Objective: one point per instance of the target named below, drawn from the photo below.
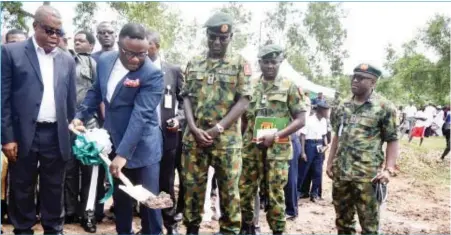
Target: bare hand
(78, 125)
(175, 128)
(203, 139)
(329, 171)
(383, 177)
(10, 151)
(213, 132)
(304, 157)
(116, 165)
(267, 140)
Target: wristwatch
(220, 128)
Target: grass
(421, 162)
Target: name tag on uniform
(264, 99)
(211, 79)
(353, 119)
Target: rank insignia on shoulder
(247, 70)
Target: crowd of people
(264, 138)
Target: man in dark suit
(131, 88)
(38, 100)
(171, 115)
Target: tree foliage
(84, 18)
(14, 16)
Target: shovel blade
(147, 198)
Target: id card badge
(319, 148)
(168, 101)
(168, 98)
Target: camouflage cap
(368, 69)
(219, 23)
(270, 51)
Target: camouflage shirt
(365, 129)
(213, 87)
(282, 100)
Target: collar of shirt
(157, 63)
(41, 50)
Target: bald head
(47, 26)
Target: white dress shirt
(47, 110)
(314, 128)
(157, 64)
(118, 73)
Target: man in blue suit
(131, 88)
(38, 101)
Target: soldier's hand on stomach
(203, 139)
(267, 140)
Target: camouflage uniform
(213, 87)
(283, 100)
(359, 157)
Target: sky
(370, 26)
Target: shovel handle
(122, 177)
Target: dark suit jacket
(173, 77)
(22, 91)
(130, 117)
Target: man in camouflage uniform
(360, 126)
(273, 96)
(216, 93)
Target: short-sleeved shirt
(314, 128)
(365, 128)
(282, 100)
(213, 87)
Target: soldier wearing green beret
(361, 125)
(216, 93)
(267, 157)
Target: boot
(277, 233)
(89, 222)
(192, 230)
(172, 230)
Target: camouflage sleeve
(389, 130)
(295, 102)
(244, 88)
(335, 118)
(185, 88)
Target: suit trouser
(24, 173)
(291, 192)
(167, 175)
(151, 221)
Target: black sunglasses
(105, 32)
(131, 54)
(50, 31)
(222, 38)
(358, 78)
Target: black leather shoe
(71, 219)
(27, 232)
(277, 233)
(172, 230)
(178, 217)
(53, 233)
(89, 222)
(315, 199)
(192, 230)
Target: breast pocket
(368, 126)
(194, 82)
(277, 101)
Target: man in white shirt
(314, 144)
(420, 126)
(409, 112)
(38, 99)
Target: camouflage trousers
(349, 197)
(251, 177)
(227, 165)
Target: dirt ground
(418, 201)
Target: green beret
(368, 69)
(220, 23)
(270, 51)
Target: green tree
(14, 16)
(84, 18)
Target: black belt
(45, 124)
(314, 141)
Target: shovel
(138, 192)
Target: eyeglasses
(131, 54)
(51, 31)
(222, 38)
(358, 78)
(105, 32)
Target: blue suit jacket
(22, 91)
(131, 117)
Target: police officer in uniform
(277, 96)
(216, 93)
(361, 125)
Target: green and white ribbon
(87, 152)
